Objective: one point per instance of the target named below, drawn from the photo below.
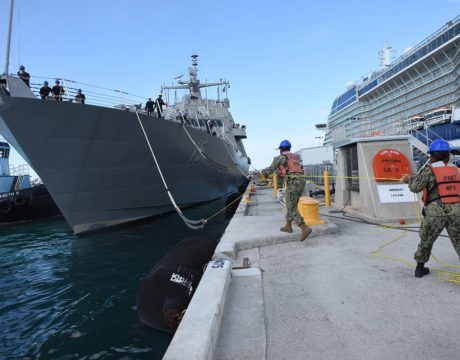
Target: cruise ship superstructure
(417, 94)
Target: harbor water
(66, 297)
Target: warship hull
(98, 167)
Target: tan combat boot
(288, 227)
(305, 232)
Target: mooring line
(193, 224)
(216, 164)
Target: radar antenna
(193, 84)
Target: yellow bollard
(275, 185)
(309, 209)
(327, 190)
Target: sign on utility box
(395, 193)
(390, 165)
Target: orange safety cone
(253, 190)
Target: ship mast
(8, 40)
(193, 84)
(385, 55)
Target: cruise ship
(417, 94)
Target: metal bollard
(327, 190)
(309, 209)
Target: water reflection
(63, 296)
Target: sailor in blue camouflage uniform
(288, 167)
(440, 182)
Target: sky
(286, 60)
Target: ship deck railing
(382, 128)
(122, 100)
(94, 95)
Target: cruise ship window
(4, 153)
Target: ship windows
(344, 100)
(366, 88)
(4, 153)
(216, 123)
(202, 125)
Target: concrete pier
(347, 292)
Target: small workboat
(21, 200)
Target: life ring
(5, 206)
(19, 200)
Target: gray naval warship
(106, 166)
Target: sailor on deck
(57, 90)
(182, 116)
(159, 105)
(149, 105)
(45, 90)
(24, 75)
(80, 97)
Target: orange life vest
(447, 183)
(294, 165)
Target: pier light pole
(8, 40)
